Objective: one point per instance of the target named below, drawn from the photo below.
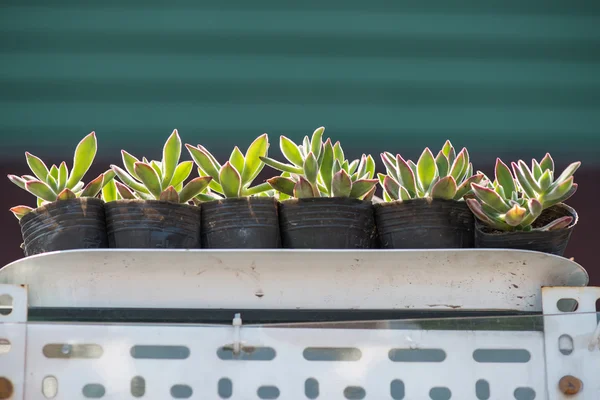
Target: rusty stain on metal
(569, 384)
(6, 388)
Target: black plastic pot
(240, 223)
(65, 225)
(425, 224)
(327, 223)
(149, 224)
(553, 242)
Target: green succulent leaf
(353, 167)
(337, 167)
(404, 195)
(171, 155)
(182, 172)
(447, 148)
(391, 187)
(490, 197)
(63, 175)
(41, 190)
(326, 170)
(37, 166)
(445, 188)
(128, 162)
(282, 184)
(504, 177)
(231, 181)
(545, 180)
(523, 182)
(370, 194)
(316, 142)
(156, 166)
(559, 191)
(149, 178)
(257, 190)
(341, 185)
(66, 194)
(291, 151)
(303, 189)
(426, 169)
(566, 196)
(459, 166)
(311, 168)
(515, 215)
(479, 212)
(338, 153)
(193, 188)
(345, 166)
(442, 164)
(109, 191)
(529, 176)
(93, 187)
(54, 171)
(170, 195)
(236, 159)
(281, 166)
(20, 211)
(465, 187)
(361, 187)
(547, 163)
(391, 166)
(124, 191)
(536, 169)
(370, 167)
(252, 161)
(82, 161)
(305, 148)
(20, 182)
(203, 159)
(568, 172)
(407, 176)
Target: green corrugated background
(502, 77)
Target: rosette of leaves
(156, 180)
(446, 176)
(514, 200)
(232, 179)
(319, 169)
(57, 182)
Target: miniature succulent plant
(232, 179)
(319, 169)
(57, 183)
(446, 176)
(514, 202)
(156, 180)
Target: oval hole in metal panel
(6, 304)
(501, 356)
(225, 388)
(417, 355)
(247, 353)
(397, 390)
(332, 354)
(565, 345)
(138, 386)
(158, 352)
(311, 388)
(440, 393)
(49, 387)
(93, 391)
(355, 393)
(567, 305)
(66, 350)
(4, 346)
(482, 389)
(268, 392)
(524, 393)
(6, 388)
(181, 391)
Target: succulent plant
(514, 202)
(319, 169)
(446, 176)
(156, 180)
(232, 179)
(56, 183)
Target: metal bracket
(237, 327)
(13, 340)
(570, 341)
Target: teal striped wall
(498, 76)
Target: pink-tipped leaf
(465, 187)
(326, 168)
(66, 194)
(362, 187)
(303, 189)
(20, 211)
(41, 190)
(426, 169)
(559, 223)
(282, 184)
(204, 161)
(193, 188)
(236, 159)
(547, 163)
(504, 177)
(445, 188)
(20, 182)
(407, 176)
(341, 185)
(230, 180)
(515, 215)
(391, 187)
(170, 195)
(170, 159)
(490, 197)
(94, 187)
(149, 178)
(37, 166)
(124, 191)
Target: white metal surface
(13, 334)
(578, 328)
(293, 279)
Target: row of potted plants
(320, 199)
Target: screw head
(569, 384)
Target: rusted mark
(6, 388)
(569, 385)
(444, 305)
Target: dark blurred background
(505, 78)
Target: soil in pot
(425, 224)
(327, 223)
(149, 224)
(65, 225)
(553, 242)
(241, 223)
